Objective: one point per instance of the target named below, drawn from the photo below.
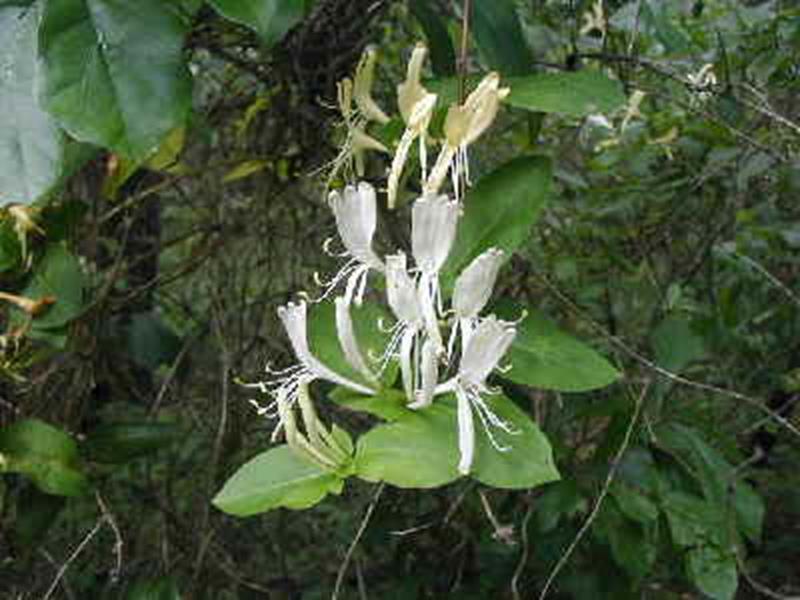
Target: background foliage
(157, 173)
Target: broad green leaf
(750, 510)
(713, 571)
(270, 19)
(121, 442)
(10, 248)
(575, 94)
(707, 465)
(500, 210)
(48, 456)
(115, 73)
(676, 344)
(273, 479)
(693, 521)
(559, 500)
(443, 57)
(31, 143)
(419, 449)
(630, 546)
(150, 342)
(498, 35)
(57, 275)
(544, 357)
(633, 503)
(528, 460)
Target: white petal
(429, 374)
(347, 339)
(433, 230)
(475, 283)
(487, 345)
(466, 432)
(294, 318)
(401, 292)
(355, 212)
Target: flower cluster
(443, 345)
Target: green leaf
(121, 442)
(561, 499)
(270, 19)
(634, 504)
(528, 462)
(750, 510)
(114, 72)
(273, 479)
(419, 449)
(48, 456)
(498, 35)
(500, 210)
(162, 588)
(693, 521)
(713, 571)
(150, 342)
(544, 357)
(575, 94)
(58, 275)
(36, 514)
(443, 57)
(708, 466)
(675, 344)
(31, 143)
(324, 342)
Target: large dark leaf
(271, 19)
(114, 72)
(31, 144)
(498, 34)
(500, 210)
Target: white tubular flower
(472, 291)
(286, 385)
(427, 376)
(404, 301)
(295, 321)
(416, 107)
(362, 88)
(355, 213)
(347, 340)
(433, 230)
(489, 342)
(463, 125)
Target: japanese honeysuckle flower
(416, 107)
(489, 342)
(362, 88)
(427, 376)
(357, 141)
(472, 291)
(401, 293)
(348, 342)
(286, 384)
(463, 125)
(433, 230)
(355, 213)
(317, 444)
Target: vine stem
(603, 493)
(361, 529)
(462, 58)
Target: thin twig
(523, 558)
(675, 378)
(603, 493)
(75, 553)
(118, 544)
(361, 529)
